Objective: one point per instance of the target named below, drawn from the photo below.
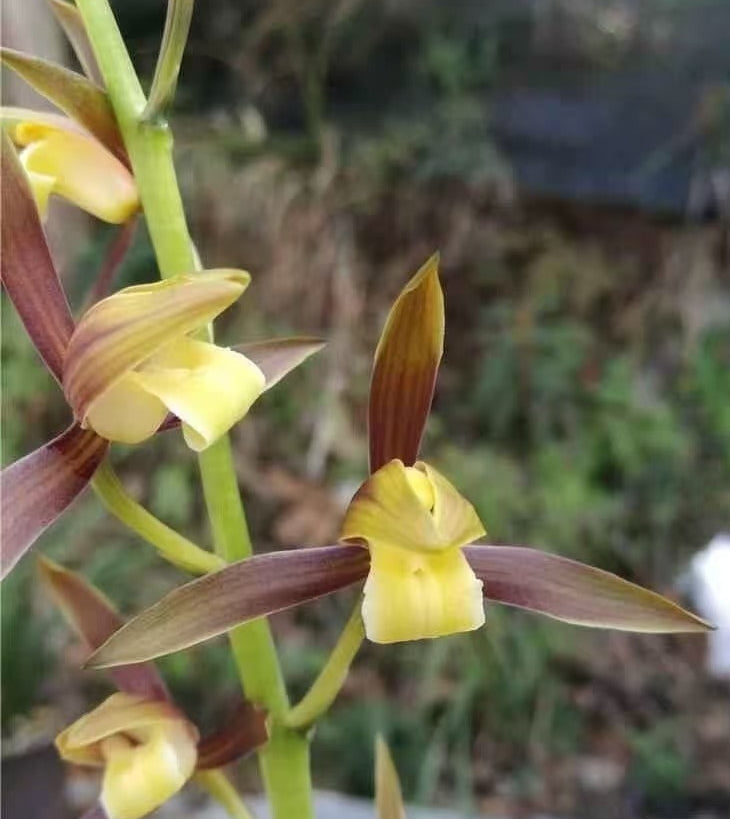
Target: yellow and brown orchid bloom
(148, 749)
(407, 532)
(80, 156)
(129, 365)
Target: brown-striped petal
(125, 329)
(94, 620)
(28, 274)
(211, 605)
(39, 487)
(81, 99)
(574, 592)
(69, 19)
(277, 357)
(405, 368)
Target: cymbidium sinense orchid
(145, 745)
(79, 157)
(407, 532)
(133, 363)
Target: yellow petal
(411, 596)
(83, 171)
(42, 187)
(393, 508)
(208, 387)
(127, 412)
(140, 778)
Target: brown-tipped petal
(94, 620)
(81, 99)
(388, 797)
(38, 488)
(28, 273)
(277, 357)
(243, 591)
(243, 732)
(405, 368)
(121, 331)
(69, 19)
(574, 592)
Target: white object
(709, 586)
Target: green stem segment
(149, 144)
(330, 680)
(285, 758)
(171, 545)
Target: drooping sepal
(94, 619)
(574, 592)
(211, 605)
(39, 487)
(404, 371)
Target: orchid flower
(406, 532)
(148, 749)
(79, 156)
(130, 361)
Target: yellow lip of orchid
(73, 164)
(419, 585)
(147, 748)
(131, 361)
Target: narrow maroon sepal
(39, 487)
(27, 270)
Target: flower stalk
(285, 759)
(327, 686)
(170, 544)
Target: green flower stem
(330, 680)
(219, 787)
(284, 759)
(169, 543)
(149, 144)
